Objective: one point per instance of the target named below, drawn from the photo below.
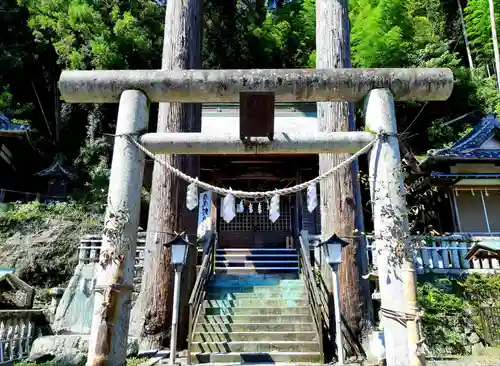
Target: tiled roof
(57, 169)
(469, 146)
(6, 124)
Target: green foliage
(97, 34)
(480, 290)
(381, 33)
(36, 211)
(38, 38)
(444, 318)
(451, 305)
(477, 18)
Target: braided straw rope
(252, 195)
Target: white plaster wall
(299, 124)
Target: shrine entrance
(136, 89)
(251, 228)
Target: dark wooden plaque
(257, 114)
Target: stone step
(255, 270)
(292, 310)
(255, 346)
(256, 327)
(285, 295)
(257, 257)
(255, 302)
(255, 263)
(254, 279)
(216, 319)
(244, 251)
(271, 357)
(254, 336)
(165, 362)
(280, 287)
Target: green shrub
(444, 318)
(25, 213)
(481, 289)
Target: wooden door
(255, 230)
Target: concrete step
(249, 292)
(255, 263)
(292, 310)
(165, 362)
(256, 327)
(285, 285)
(271, 357)
(285, 295)
(256, 346)
(254, 336)
(257, 257)
(255, 302)
(253, 279)
(217, 319)
(255, 270)
(244, 251)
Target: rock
(44, 252)
(478, 349)
(68, 349)
(374, 346)
(78, 359)
(75, 309)
(133, 347)
(473, 338)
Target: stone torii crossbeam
(135, 89)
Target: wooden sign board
(257, 114)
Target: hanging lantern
(259, 208)
(250, 207)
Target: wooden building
(466, 177)
(251, 227)
(12, 171)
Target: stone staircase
(256, 310)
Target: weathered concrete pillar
(110, 322)
(390, 220)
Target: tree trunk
(151, 317)
(340, 202)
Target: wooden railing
(312, 289)
(444, 254)
(90, 250)
(199, 289)
(17, 333)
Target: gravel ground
(490, 358)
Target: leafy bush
(451, 306)
(23, 213)
(444, 318)
(480, 290)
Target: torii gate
(135, 89)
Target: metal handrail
(312, 289)
(199, 288)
